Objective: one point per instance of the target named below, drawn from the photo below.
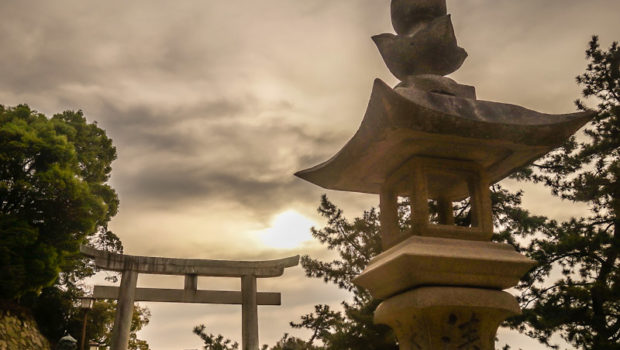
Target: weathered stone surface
(409, 122)
(408, 15)
(431, 50)
(249, 314)
(185, 296)
(20, 333)
(425, 42)
(201, 267)
(124, 310)
(67, 343)
(424, 261)
(446, 318)
(436, 84)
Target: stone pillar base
(447, 318)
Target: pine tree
(356, 243)
(583, 305)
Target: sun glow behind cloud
(288, 230)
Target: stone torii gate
(130, 266)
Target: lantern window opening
(438, 183)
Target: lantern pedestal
(442, 293)
(447, 318)
(432, 261)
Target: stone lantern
(429, 138)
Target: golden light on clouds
(288, 230)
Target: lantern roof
(404, 124)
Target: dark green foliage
(54, 197)
(99, 322)
(323, 322)
(356, 243)
(53, 309)
(57, 312)
(291, 343)
(214, 342)
(53, 194)
(582, 304)
(218, 342)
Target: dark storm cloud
(48, 44)
(234, 161)
(153, 128)
(38, 56)
(179, 88)
(175, 186)
(215, 151)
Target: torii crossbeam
(131, 265)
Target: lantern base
(448, 318)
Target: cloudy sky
(213, 105)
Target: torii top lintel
(199, 267)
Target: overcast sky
(213, 105)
